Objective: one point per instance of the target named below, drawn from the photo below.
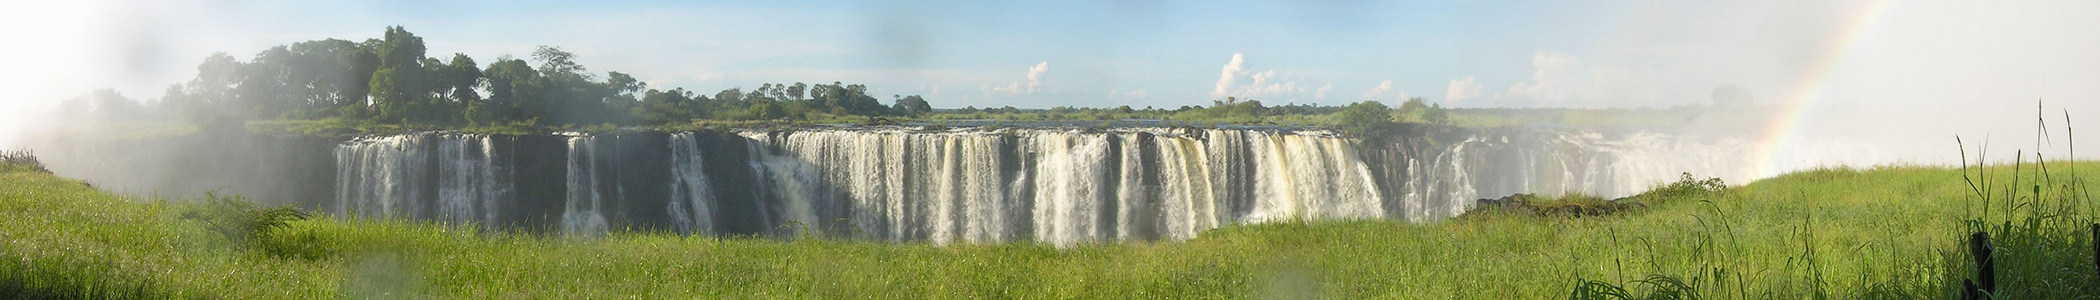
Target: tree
(1435, 115)
(732, 97)
(266, 85)
(212, 93)
(331, 73)
(559, 64)
(1368, 119)
(912, 105)
(768, 111)
(399, 88)
(460, 78)
(665, 107)
(623, 85)
(515, 90)
(794, 92)
(357, 85)
(573, 96)
(1412, 110)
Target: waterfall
(381, 176)
(451, 177)
(1061, 186)
(692, 196)
(584, 212)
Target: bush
(239, 221)
(20, 161)
(1686, 186)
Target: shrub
(1686, 186)
(19, 161)
(239, 221)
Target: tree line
(390, 80)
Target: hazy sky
(1937, 67)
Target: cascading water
(1060, 186)
(692, 200)
(584, 211)
(450, 177)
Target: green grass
(1886, 232)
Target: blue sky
(1911, 63)
(1083, 53)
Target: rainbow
(1783, 130)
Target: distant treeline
(391, 81)
(334, 86)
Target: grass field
(1885, 232)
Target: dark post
(1980, 249)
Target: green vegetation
(339, 87)
(334, 87)
(1884, 232)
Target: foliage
(1365, 119)
(20, 161)
(238, 220)
(1685, 187)
(390, 81)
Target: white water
(692, 198)
(1074, 186)
(391, 176)
(584, 211)
(1060, 186)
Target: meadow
(1880, 232)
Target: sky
(1914, 73)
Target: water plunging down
(1060, 186)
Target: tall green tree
(574, 96)
(267, 85)
(212, 93)
(516, 91)
(399, 88)
(329, 72)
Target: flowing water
(1055, 185)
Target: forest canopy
(392, 80)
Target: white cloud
(1556, 78)
(1035, 76)
(1322, 92)
(1461, 89)
(1385, 90)
(1263, 84)
(1230, 73)
(1035, 83)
